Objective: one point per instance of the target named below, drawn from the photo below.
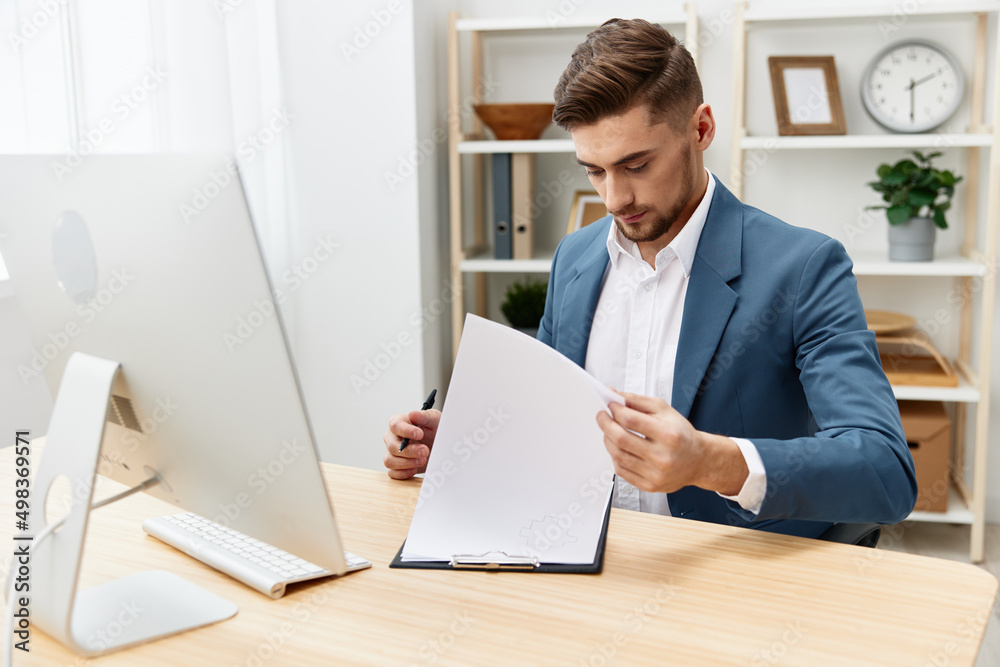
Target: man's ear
(704, 126)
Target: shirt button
(648, 287)
(636, 354)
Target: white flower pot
(912, 241)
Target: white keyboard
(257, 564)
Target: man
(754, 392)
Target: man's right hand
(420, 426)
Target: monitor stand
(128, 611)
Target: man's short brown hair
(625, 63)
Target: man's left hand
(656, 449)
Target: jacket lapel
(710, 300)
(577, 313)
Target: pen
(428, 404)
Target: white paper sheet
(518, 464)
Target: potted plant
(524, 304)
(916, 196)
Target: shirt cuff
(751, 496)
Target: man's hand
(420, 426)
(655, 449)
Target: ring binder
(494, 560)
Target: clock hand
(920, 81)
(912, 95)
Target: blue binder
(503, 244)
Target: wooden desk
(673, 591)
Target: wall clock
(912, 86)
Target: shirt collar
(683, 246)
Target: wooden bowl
(515, 121)
(884, 321)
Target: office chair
(861, 534)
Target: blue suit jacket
(773, 347)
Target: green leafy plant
(915, 189)
(524, 303)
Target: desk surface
(673, 591)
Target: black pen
(428, 404)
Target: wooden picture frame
(587, 207)
(806, 95)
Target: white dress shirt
(633, 340)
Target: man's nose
(617, 193)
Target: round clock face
(912, 86)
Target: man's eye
(635, 170)
(594, 172)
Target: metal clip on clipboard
(494, 560)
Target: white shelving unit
(865, 264)
(958, 512)
(967, 504)
(857, 11)
(965, 392)
(868, 141)
(487, 264)
(536, 146)
(474, 256)
(875, 264)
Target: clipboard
(503, 562)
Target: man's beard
(652, 230)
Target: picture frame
(587, 207)
(806, 95)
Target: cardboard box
(928, 432)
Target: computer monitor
(152, 261)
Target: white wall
(359, 356)
(430, 67)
